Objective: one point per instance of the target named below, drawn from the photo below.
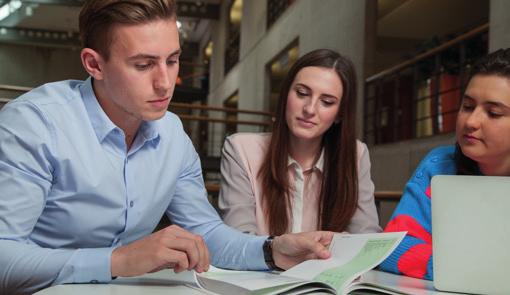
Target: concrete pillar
(370, 37)
(499, 30)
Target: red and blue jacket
(413, 257)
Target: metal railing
(379, 196)
(420, 97)
(175, 106)
(187, 106)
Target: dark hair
(97, 17)
(498, 64)
(339, 189)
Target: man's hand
(171, 247)
(291, 249)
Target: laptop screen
(471, 233)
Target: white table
(163, 282)
(403, 283)
(166, 282)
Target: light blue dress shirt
(70, 193)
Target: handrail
(15, 88)
(387, 195)
(430, 52)
(227, 121)
(221, 109)
(172, 104)
(197, 118)
(214, 188)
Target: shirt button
(131, 204)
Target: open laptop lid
(471, 233)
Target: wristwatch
(267, 247)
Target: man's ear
(92, 62)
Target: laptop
(471, 234)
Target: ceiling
(424, 19)
(55, 22)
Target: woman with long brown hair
(310, 173)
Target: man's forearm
(27, 268)
(232, 249)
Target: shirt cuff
(87, 266)
(256, 253)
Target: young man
(88, 168)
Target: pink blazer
(240, 195)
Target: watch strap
(267, 247)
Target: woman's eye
(327, 103)
(301, 93)
(467, 107)
(495, 114)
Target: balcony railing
(420, 97)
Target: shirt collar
(149, 131)
(101, 122)
(318, 165)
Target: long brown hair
(339, 189)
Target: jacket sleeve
(413, 257)
(365, 219)
(236, 198)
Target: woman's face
(483, 122)
(313, 103)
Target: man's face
(139, 78)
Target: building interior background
(411, 58)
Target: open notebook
(352, 255)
